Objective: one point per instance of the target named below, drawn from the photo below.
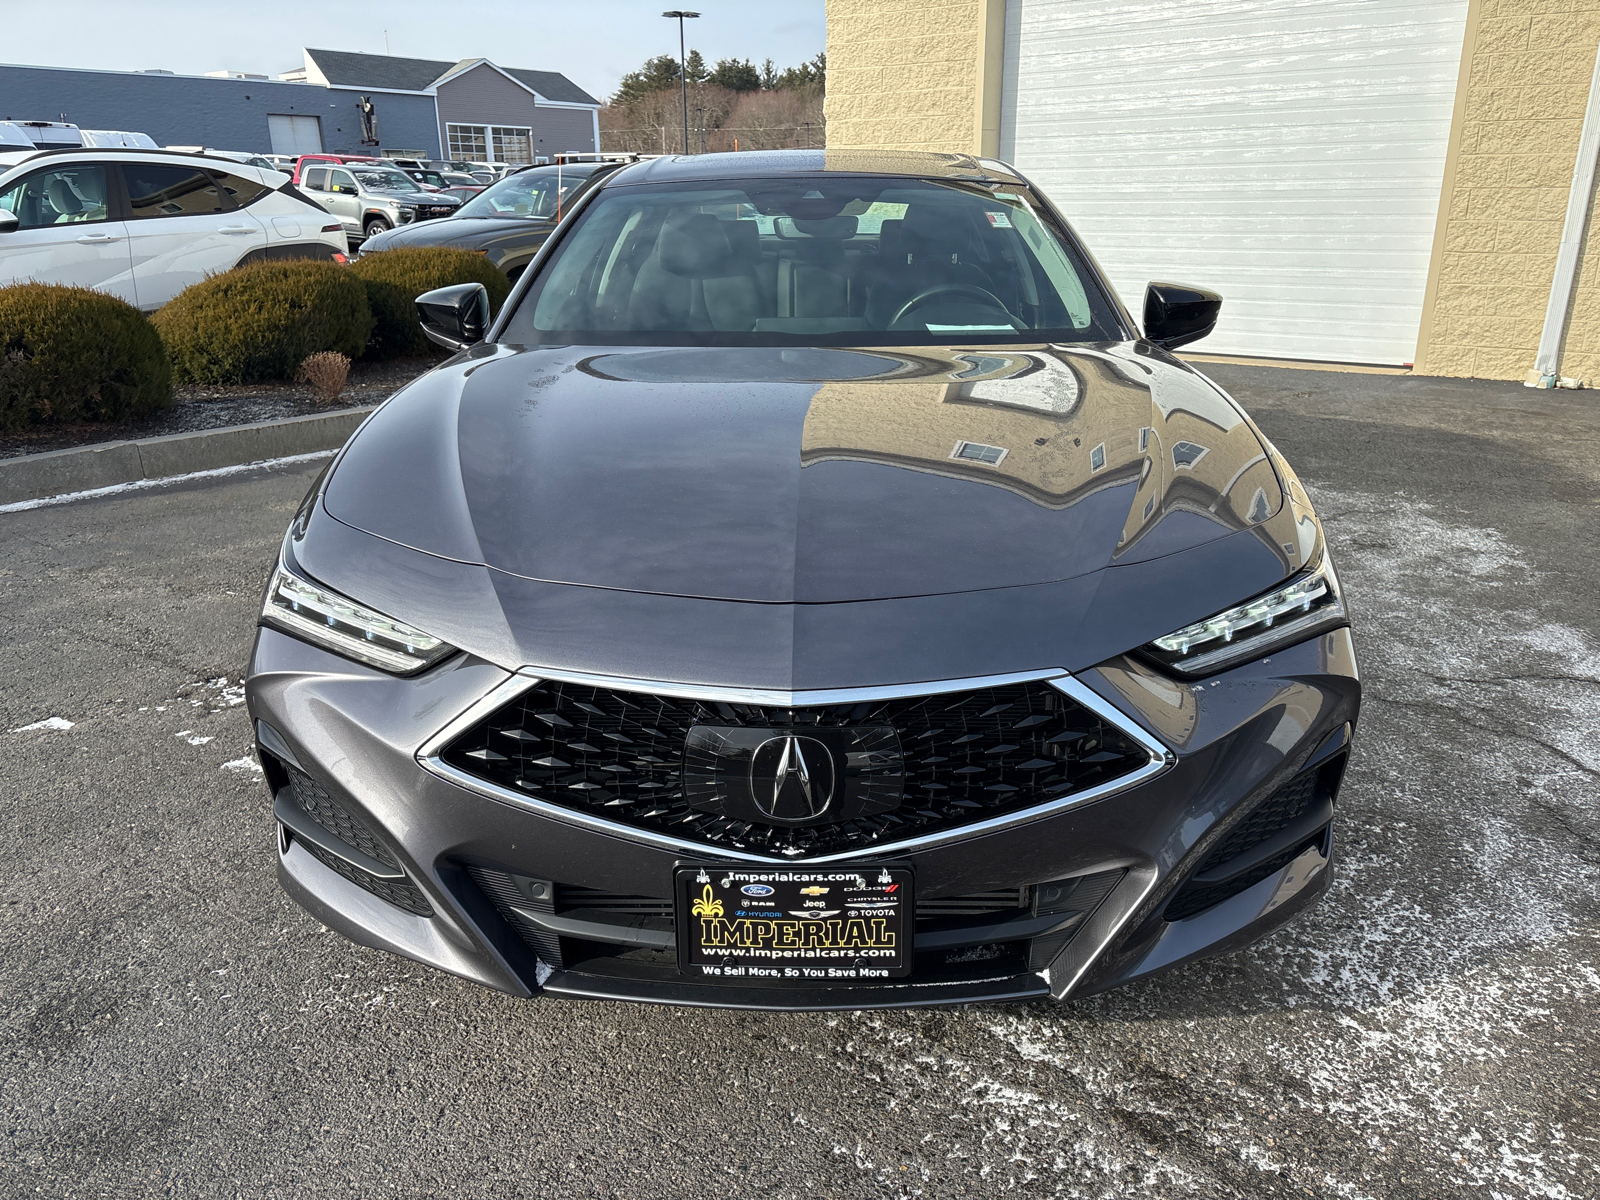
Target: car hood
(461, 231)
(805, 476)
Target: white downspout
(1546, 371)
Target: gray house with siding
(471, 109)
(484, 112)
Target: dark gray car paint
(1233, 740)
(756, 481)
(799, 519)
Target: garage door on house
(295, 134)
(1288, 153)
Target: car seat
(922, 250)
(693, 279)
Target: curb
(36, 476)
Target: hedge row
(71, 354)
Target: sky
(592, 42)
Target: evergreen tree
(736, 76)
(657, 73)
(769, 76)
(806, 75)
(695, 68)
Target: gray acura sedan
(812, 591)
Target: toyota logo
(792, 778)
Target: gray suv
(369, 198)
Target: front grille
(965, 757)
(979, 904)
(337, 820)
(511, 892)
(595, 900)
(426, 212)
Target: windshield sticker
(972, 328)
(999, 220)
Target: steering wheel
(970, 290)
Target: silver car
(369, 198)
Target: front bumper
(1143, 862)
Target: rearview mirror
(1176, 314)
(8, 220)
(455, 317)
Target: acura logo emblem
(792, 778)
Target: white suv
(145, 224)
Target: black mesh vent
(968, 756)
(1280, 811)
(332, 816)
(1197, 897)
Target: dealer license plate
(760, 925)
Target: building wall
(914, 74)
(225, 114)
(559, 129)
(1525, 77)
(483, 96)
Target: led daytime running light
(1294, 600)
(339, 624)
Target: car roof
(767, 163)
(140, 154)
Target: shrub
(72, 354)
(325, 371)
(395, 278)
(263, 320)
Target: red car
(300, 163)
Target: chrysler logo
(792, 778)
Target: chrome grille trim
(428, 757)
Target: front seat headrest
(62, 198)
(694, 246)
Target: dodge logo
(792, 778)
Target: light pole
(683, 70)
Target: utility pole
(683, 69)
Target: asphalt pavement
(172, 1025)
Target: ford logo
(756, 889)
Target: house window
(1097, 458)
(977, 452)
(513, 144)
(468, 143)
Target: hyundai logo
(792, 778)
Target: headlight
(1307, 604)
(337, 623)
(406, 213)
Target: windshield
(384, 181)
(827, 261)
(526, 194)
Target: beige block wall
(914, 74)
(1525, 76)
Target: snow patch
(54, 724)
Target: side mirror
(455, 317)
(1176, 314)
(8, 220)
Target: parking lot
(173, 1025)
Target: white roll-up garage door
(295, 134)
(1288, 153)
